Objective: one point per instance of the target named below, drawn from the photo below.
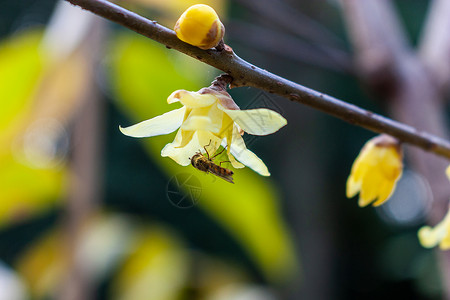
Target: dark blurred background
(87, 213)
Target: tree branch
(246, 74)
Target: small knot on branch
(221, 82)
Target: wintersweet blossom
(200, 26)
(210, 118)
(430, 237)
(376, 171)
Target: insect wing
(220, 172)
(228, 178)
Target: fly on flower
(206, 164)
(210, 116)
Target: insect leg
(219, 152)
(204, 147)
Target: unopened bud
(200, 26)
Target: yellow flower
(376, 171)
(210, 118)
(440, 234)
(200, 26)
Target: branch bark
(246, 74)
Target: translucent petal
(204, 118)
(191, 99)
(181, 139)
(191, 143)
(445, 242)
(227, 142)
(440, 234)
(261, 121)
(428, 237)
(182, 155)
(228, 127)
(209, 141)
(163, 124)
(234, 162)
(247, 157)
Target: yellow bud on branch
(200, 26)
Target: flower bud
(200, 26)
(376, 171)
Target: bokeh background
(88, 213)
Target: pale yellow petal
(447, 172)
(440, 234)
(191, 99)
(234, 162)
(430, 237)
(445, 242)
(204, 118)
(181, 139)
(209, 141)
(182, 155)
(247, 157)
(228, 127)
(261, 121)
(163, 124)
(196, 141)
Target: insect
(206, 164)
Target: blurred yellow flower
(376, 171)
(200, 26)
(440, 234)
(210, 118)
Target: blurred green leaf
(25, 190)
(157, 267)
(20, 67)
(144, 75)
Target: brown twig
(246, 74)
